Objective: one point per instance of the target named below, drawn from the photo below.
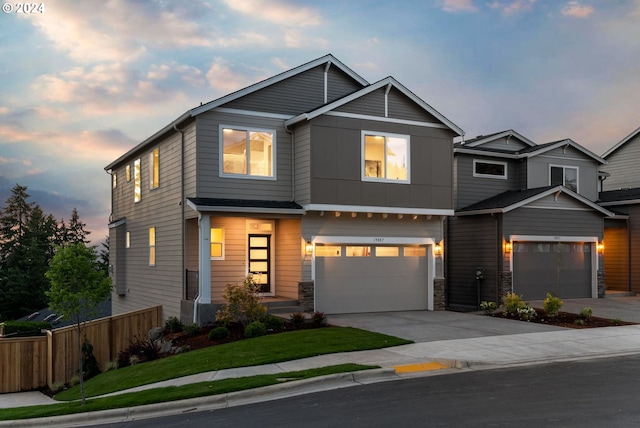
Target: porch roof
(255, 206)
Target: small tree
(77, 287)
(243, 304)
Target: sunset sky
(81, 82)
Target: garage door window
(358, 251)
(328, 250)
(387, 251)
(415, 251)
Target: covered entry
(566, 268)
(361, 276)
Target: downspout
(182, 214)
(293, 162)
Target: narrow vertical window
(114, 179)
(128, 173)
(127, 242)
(217, 243)
(154, 169)
(136, 181)
(152, 246)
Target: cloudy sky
(81, 82)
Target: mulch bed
(568, 320)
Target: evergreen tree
(103, 256)
(76, 232)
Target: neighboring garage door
(371, 278)
(559, 268)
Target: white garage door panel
(371, 284)
(559, 268)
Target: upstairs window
(114, 178)
(566, 176)
(128, 173)
(154, 169)
(385, 157)
(137, 195)
(489, 169)
(247, 152)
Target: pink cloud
(278, 12)
(458, 6)
(224, 80)
(513, 7)
(576, 10)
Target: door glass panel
(258, 266)
(258, 254)
(258, 241)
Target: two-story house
(525, 221)
(621, 193)
(325, 188)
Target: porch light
(437, 248)
(308, 248)
(600, 247)
(507, 247)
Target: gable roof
(621, 143)
(483, 139)
(527, 152)
(328, 60)
(513, 199)
(389, 83)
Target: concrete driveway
(426, 326)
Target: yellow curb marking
(421, 367)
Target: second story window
(154, 169)
(247, 152)
(566, 176)
(114, 179)
(137, 195)
(385, 157)
(128, 173)
(489, 169)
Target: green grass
(249, 352)
(161, 395)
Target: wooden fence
(34, 362)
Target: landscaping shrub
(586, 313)
(138, 351)
(512, 302)
(219, 333)
(173, 325)
(110, 365)
(297, 320)
(191, 330)
(89, 363)
(255, 329)
(243, 304)
(57, 387)
(552, 305)
(318, 319)
(274, 323)
(488, 307)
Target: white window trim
(500, 177)
(565, 167)
(362, 159)
(274, 151)
(223, 240)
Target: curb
(213, 402)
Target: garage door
(371, 278)
(560, 268)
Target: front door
(260, 261)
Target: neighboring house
(525, 221)
(622, 194)
(325, 188)
(622, 163)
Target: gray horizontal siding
(538, 168)
(512, 144)
(336, 148)
(623, 166)
(302, 193)
(472, 189)
(209, 182)
(547, 222)
(472, 242)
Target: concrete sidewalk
(474, 341)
